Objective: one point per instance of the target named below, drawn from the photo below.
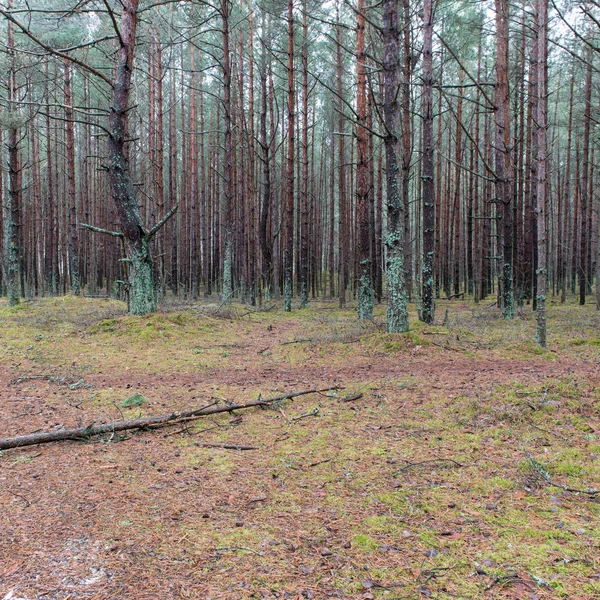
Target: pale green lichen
(11, 256)
(303, 294)
(428, 302)
(287, 291)
(397, 312)
(365, 293)
(508, 299)
(227, 276)
(142, 292)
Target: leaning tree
(134, 232)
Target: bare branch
(163, 221)
(100, 230)
(52, 51)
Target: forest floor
(446, 479)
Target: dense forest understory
(466, 468)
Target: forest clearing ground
(433, 484)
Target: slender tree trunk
(50, 262)
(343, 216)
(263, 235)
(397, 314)
(288, 258)
(585, 199)
(73, 241)
(428, 302)
(251, 171)
(12, 202)
(304, 201)
(406, 135)
(542, 125)
(502, 148)
(228, 213)
(365, 292)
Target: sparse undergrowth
(448, 478)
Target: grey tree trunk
(11, 201)
(227, 172)
(142, 293)
(397, 314)
(542, 125)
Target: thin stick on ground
(226, 446)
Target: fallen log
(84, 433)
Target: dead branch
(540, 471)
(85, 433)
(226, 446)
(433, 460)
(313, 413)
(352, 397)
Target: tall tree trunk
(265, 202)
(12, 202)
(406, 134)
(343, 212)
(397, 314)
(365, 292)
(502, 148)
(251, 174)
(428, 305)
(142, 294)
(304, 202)
(585, 170)
(542, 125)
(73, 241)
(288, 258)
(50, 265)
(228, 214)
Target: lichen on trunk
(397, 313)
(288, 290)
(227, 276)
(365, 292)
(508, 298)
(303, 294)
(142, 289)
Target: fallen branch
(538, 469)
(225, 446)
(424, 462)
(313, 413)
(352, 397)
(84, 433)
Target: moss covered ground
(466, 469)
